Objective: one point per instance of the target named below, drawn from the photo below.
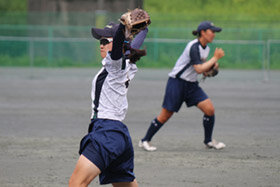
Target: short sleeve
(195, 55)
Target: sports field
(45, 112)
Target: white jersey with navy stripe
(109, 89)
(193, 54)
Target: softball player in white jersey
(182, 86)
(107, 148)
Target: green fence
(50, 39)
(60, 46)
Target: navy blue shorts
(108, 145)
(179, 91)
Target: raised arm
(131, 23)
(139, 39)
(118, 39)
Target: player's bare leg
(208, 109)
(84, 173)
(156, 124)
(164, 115)
(126, 184)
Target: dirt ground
(45, 112)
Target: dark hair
(196, 33)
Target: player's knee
(210, 111)
(163, 119)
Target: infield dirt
(45, 112)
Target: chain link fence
(61, 42)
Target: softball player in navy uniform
(107, 149)
(182, 86)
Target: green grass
(216, 10)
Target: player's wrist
(215, 59)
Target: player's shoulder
(193, 46)
(194, 42)
(108, 61)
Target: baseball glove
(135, 21)
(211, 73)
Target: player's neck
(202, 41)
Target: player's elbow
(198, 69)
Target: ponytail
(195, 33)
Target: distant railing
(66, 45)
(265, 45)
